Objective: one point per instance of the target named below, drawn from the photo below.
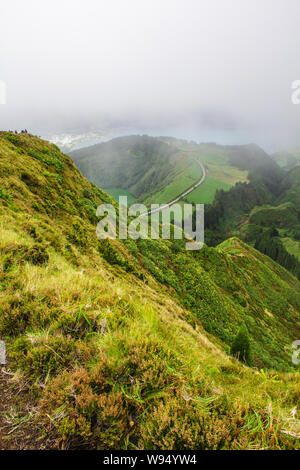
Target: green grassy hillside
(290, 188)
(287, 159)
(264, 212)
(127, 345)
(157, 170)
(283, 215)
(116, 193)
(141, 165)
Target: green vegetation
(205, 193)
(138, 164)
(187, 173)
(264, 212)
(241, 347)
(292, 247)
(269, 243)
(157, 170)
(287, 159)
(115, 193)
(127, 345)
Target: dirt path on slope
(17, 412)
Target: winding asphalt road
(182, 195)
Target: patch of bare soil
(18, 427)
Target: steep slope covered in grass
(260, 165)
(107, 340)
(229, 285)
(269, 221)
(287, 159)
(290, 187)
(156, 170)
(138, 164)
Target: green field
(205, 193)
(189, 173)
(287, 159)
(157, 170)
(220, 175)
(292, 246)
(115, 193)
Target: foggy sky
(215, 64)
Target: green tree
(241, 347)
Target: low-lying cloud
(207, 66)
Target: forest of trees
(230, 211)
(270, 244)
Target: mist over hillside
(151, 327)
(213, 72)
(158, 169)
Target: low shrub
(40, 355)
(36, 254)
